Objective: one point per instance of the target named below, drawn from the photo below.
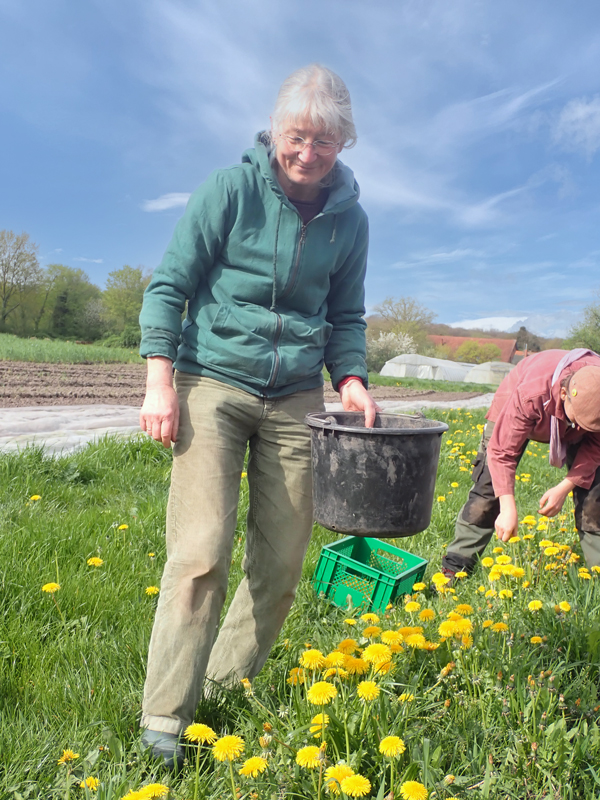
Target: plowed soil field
(30, 384)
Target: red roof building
(508, 347)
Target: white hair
(316, 93)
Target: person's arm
(345, 351)
(553, 500)
(159, 416)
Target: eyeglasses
(321, 148)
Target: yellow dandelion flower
(564, 606)
(334, 659)
(370, 617)
(534, 605)
(383, 669)
(376, 654)
(487, 562)
(490, 593)
(528, 520)
(528, 536)
(296, 676)
(415, 640)
(427, 614)
(595, 568)
(406, 697)
(200, 733)
(94, 562)
(335, 672)
(412, 607)
(350, 621)
(454, 485)
(151, 590)
(68, 755)
(312, 659)
(321, 693)
(154, 790)
(335, 775)
(372, 632)
(391, 637)
(499, 627)
(355, 666)
(391, 746)
(487, 623)
(467, 641)
(50, 588)
(441, 499)
(462, 626)
(545, 543)
(517, 572)
(318, 722)
(123, 527)
(309, 757)
(464, 608)
(252, 767)
(90, 783)
(418, 587)
(551, 551)
(439, 579)
(406, 630)
(227, 748)
(536, 640)
(355, 786)
(498, 549)
(446, 629)
(35, 497)
(502, 560)
(368, 691)
(151, 555)
(413, 790)
(542, 526)
(505, 594)
(461, 574)
(514, 539)
(348, 646)
(585, 576)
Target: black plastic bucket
(376, 481)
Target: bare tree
(406, 315)
(20, 271)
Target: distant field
(48, 351)
(436, 386)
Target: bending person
(270, 258)
(553, 396)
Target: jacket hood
(343, 192)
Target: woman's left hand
(355, 397)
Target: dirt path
(29, 384)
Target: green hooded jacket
(270, 300)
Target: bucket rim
(320, 420)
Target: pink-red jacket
(521, 410)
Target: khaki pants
(217, 424)
(475, 523)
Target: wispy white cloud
(578, 126)
(166, 202)
(89, 260)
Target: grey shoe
(165, 746)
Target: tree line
(62, 302)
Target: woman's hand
(553, 500)
(507, 521)
(159, 416)
(355, 397)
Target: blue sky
(479, 134)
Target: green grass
(496, 718)
(49, 351)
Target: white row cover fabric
(439, 369)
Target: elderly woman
(270, 258)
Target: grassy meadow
(53, 351)
(488, 691)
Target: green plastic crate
(367, 572)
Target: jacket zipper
(291, 281)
